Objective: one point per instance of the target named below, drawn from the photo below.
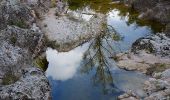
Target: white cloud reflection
(63, 65)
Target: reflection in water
(130, 32)
(91, 61)
(106, 6)
(63, 66)
(97, 57)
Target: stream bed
(87, 71)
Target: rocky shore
(151, 56)
(19, 38)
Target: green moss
(9, 78)
(19, 23)
(42, 63)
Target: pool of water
(87, 72)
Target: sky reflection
(64, 65)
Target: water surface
(87, 72)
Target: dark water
(87, 72)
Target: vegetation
(9, 78)
(20, 23)
(42, 63)
(96, 57)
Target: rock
(128, 96)
(18, 78)
(39, 7)
(14, 13)
(157, 44)
(20, 41)
(33, 84)
(166, 74)
(157, 88)
(148, 55)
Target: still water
(87, 72)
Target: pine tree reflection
(97, 58)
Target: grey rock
(166, 74)
(19, 79)
(157, 44)
(32, 85)
(14, 13)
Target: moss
(19, 23)
(13, 40)
(9, 78)
(42, 63)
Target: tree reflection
(105, 6)
(96, 58)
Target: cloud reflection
(63, 65)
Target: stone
(33, 84)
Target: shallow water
(87, 72)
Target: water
(87, 72)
